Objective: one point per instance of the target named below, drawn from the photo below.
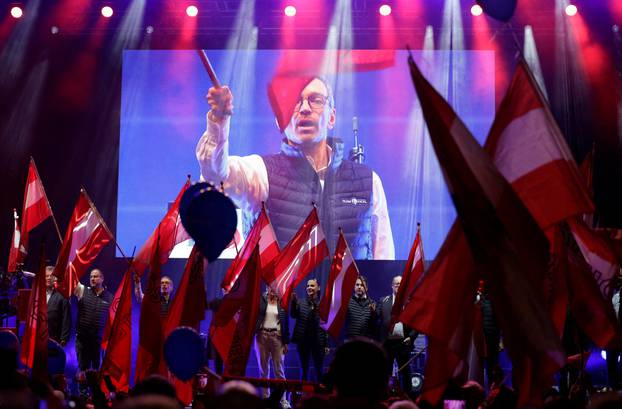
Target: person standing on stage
(309, 168)
(59, 310)
(166, 289)
(361, 315)
(310, 339)
(397, 341)
(93, 305)
(271, 339)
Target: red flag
(261, 234)
(437, 308)
(233, 324)
(555, 284)
(530, 151)
(505, 241)
(598, 254)
(87, 234)
(412, 273)
(302, 254)
(343, 275)
(34, 351)
(593, 311)
(36, 208)
(150, 325)
(298, 67)
(187, 309)
(15, 248)
(117, 340)
(170, 231)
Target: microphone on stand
(357, 153)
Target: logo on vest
(354, 201)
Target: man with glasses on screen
(310, 168)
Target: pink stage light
(476, 10)
(571, 10)
(16, 12)
(107, 11)
(290, 11)
(192, 11)
(384, 10)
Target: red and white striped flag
(530, 151)
(262, 235)
(412, 273)
(36, 208)
(506, 242)
(302, 254)
(14, 252)
(168, 233)
(86, 235)
(598, 254)
(343, 275)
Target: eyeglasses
(316, 102)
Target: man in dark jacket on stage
(93, 305)
(397, 341)
(59, 311)
(361, 315)
(310, 339)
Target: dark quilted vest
(345, 201)
(93, 312)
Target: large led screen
(163, 115)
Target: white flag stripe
(81, 233)
(525, 145)
(316, 236)
(34, 194)
(607, 269)
(266, 237)
(336, 299)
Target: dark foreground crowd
(357, 378)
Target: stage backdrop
(163, 114)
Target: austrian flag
(343, 274)
(301, 255)
(86, 235)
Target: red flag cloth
(233, 324)
(598, 254)
(15, 250)
(437, 308)
(298, 67)
(530, 152)
(614, 238)
(34, 350)
(170, 231)
(302, 254)
(35, 210)
(593, 311)
(506, 242)
(555, 283)
(117, 340)
(412, 273)
(150, 325)
(261, 234)
(343, 275)
(87, 234)
(187, 309)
